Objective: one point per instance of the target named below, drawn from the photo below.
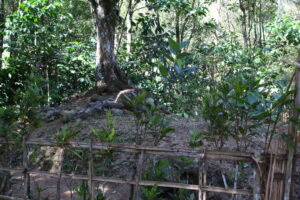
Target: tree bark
(2, 28)
(109, 77)
(244, 22)
(177, 28)
(129, 29)
(279, 8)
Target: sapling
(62, 139)
(107, 134)
(148, 118)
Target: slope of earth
(87, 114)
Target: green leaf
(165, 131)
(174, 45)
(261, 116)
(169, 57)
(184, 44)
(156, 119)
(282, 99)
(179, 62)
(177, 69)
(252, 98)
(163, 71)
(182, 55)
(139, 99)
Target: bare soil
(45, 187)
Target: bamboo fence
(203, 157)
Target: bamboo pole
(257, 184)
(166, 151)
(200, 179)
(59, 172)
(292, 144)
(235, 183)
(136, 195)
(25, 170)
(9, 198)
(133, 182)
(91, 172)
(204, 184)
(212, 155)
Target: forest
(149, 99)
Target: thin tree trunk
(177, 29)
(2, 28)
(129, 29)
(244, 22)
(279, 8)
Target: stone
(68, 115)
(112, 104)
(95, 98)
(116, 111)
(52, 115)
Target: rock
(112, 104)
(71, 98)
(69, 112)
(116, 111)
(52, 114)
(96, 108)
(88, 111)
(68, 115)
(95, 98)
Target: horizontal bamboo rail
(163, 151)
(132, 182)
(211, 155)
(2, 197)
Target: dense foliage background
(182, 51)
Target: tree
(2, 28)
(109, 77)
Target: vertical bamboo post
(59, 171)
(204, 175)
(256, 184)
(26, 168)
(200, 178)
(91, 171)
(292, 144)
(136, 195)
(235, 183)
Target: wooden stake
(26, 168)
(91, 172)
(257, 184)
(236, 174)
(59, 172)
(204, 176)
(200, 166)
(136, 195)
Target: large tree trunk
(108, 75)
